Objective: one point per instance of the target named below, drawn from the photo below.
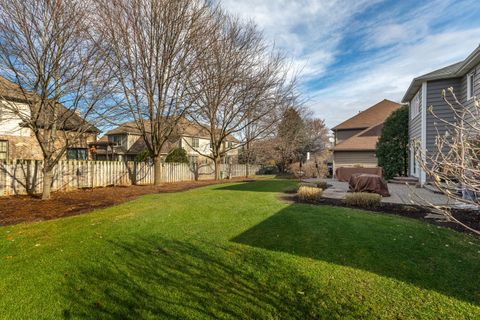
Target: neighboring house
(19, 142)
(355, 140)
(425, 91)
(126, 143)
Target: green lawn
(236, 251)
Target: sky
(351, 54)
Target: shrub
(309, 194)
(362, 199)
(392, 146)
(291, 189)
(178, 155)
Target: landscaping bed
(468, 217)
(18, 209)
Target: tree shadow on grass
(159, 278)
(406, 250)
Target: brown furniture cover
(371, 183)
(344, 173)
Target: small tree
(178, 155)
(392, 147)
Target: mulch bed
(468, 217)
(18, 209)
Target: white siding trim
(423, 176)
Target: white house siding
(10, 123)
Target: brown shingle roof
(363, 141)
(370, 117)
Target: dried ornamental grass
(309, 194)
(363, 199)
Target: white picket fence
(25, 176)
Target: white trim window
(415, 106)
(470, 85)
(195, 143)
(3, 150)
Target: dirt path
(18, 209)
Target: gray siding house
(426, 91)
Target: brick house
(19, 142)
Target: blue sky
(353, 53)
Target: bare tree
(291, 137)
(59, 78)
(317, 142)
(454, 165)
(236, 85)
(153, 46)
(262, 128)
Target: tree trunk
(247, 169)
(157, 169)
(47, 183)
(217, 168)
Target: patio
(400, 194)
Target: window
(3, 150)
(229, 144)
(195, 143)
(470, 86)
(76, 154)
(415, 105)
(118, 139)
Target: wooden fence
(25, 176)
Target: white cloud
(309, 30)
(396, 45)
(389, 77)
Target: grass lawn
(236, 251)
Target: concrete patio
(401, 194)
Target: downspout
(423, 175)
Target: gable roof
(365, 140)
(66, 119)
(452, 71)
(372, 116)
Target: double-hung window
(77, 154)
(3, 150)
(195, 143)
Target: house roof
(66, 119)
(455, 70)
(377, 113)
(362, 141)
(185, 128)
